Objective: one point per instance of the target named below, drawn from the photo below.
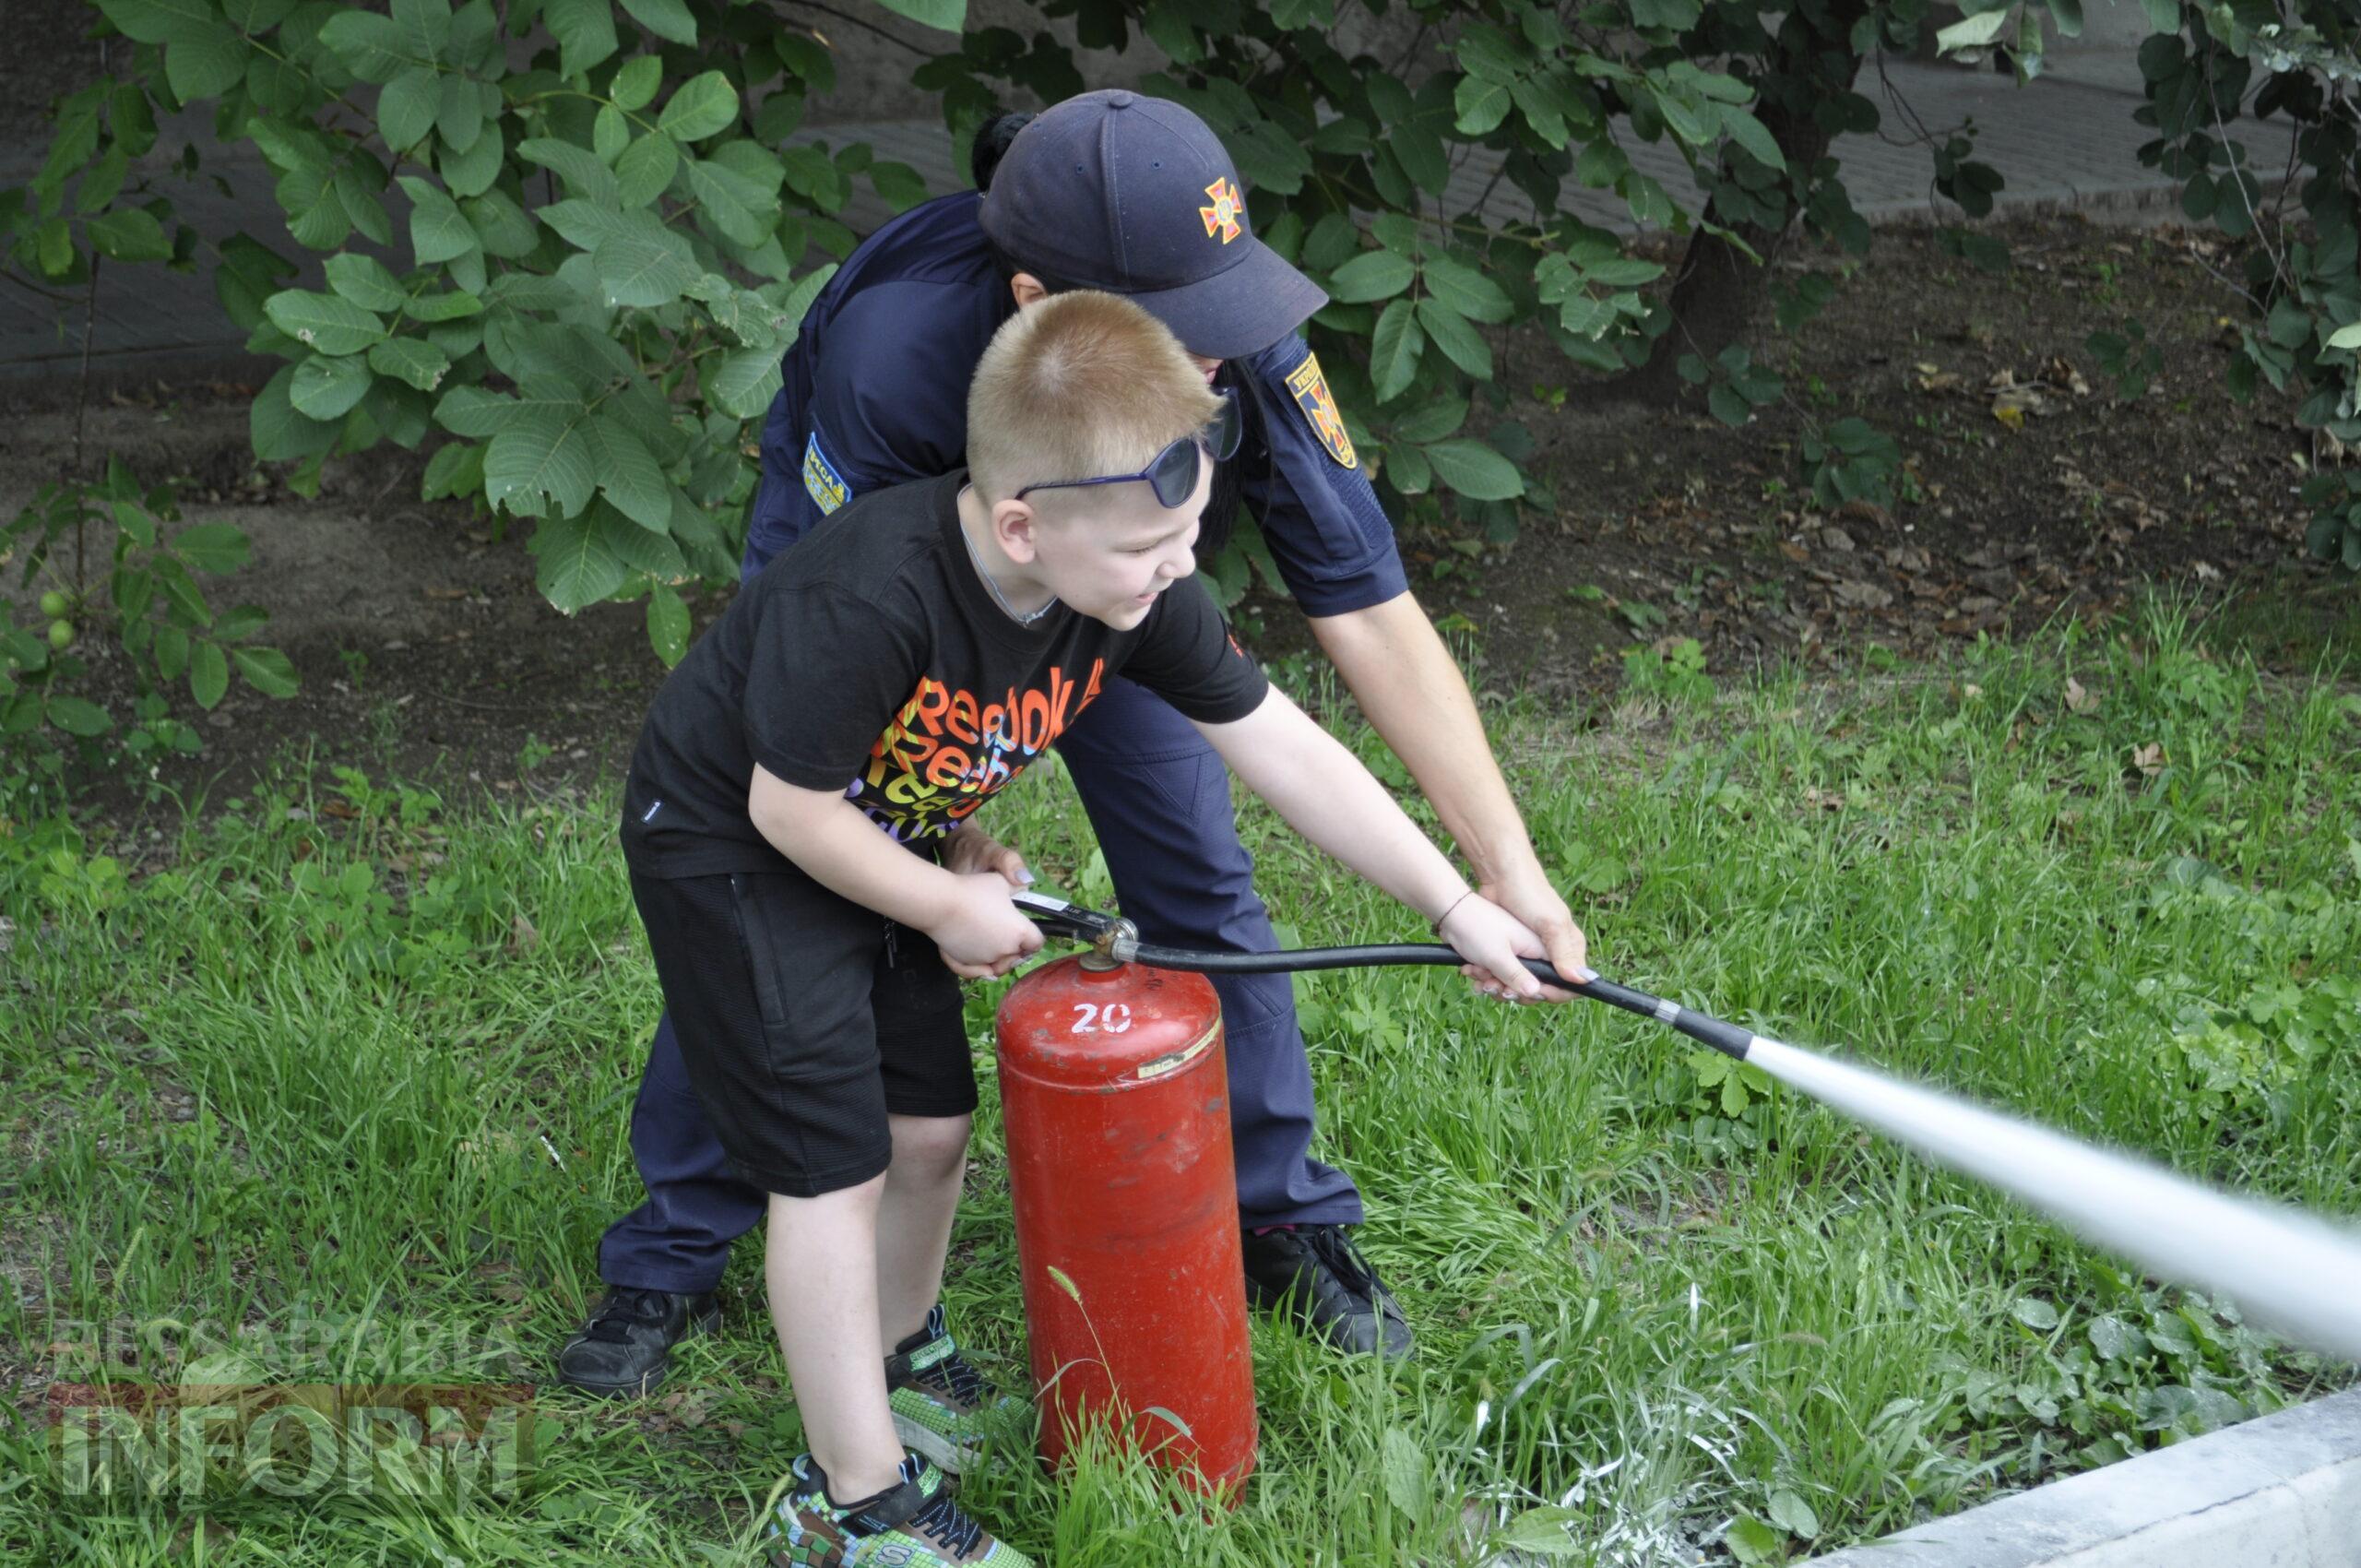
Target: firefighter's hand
(1492, 941)
(1523, 891)
(973, 850)
(983, 934)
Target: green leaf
(205, 64)
(947, 16)
(646, 169)
(738, 207)
(455, 470)
(1751, 1541)
(1432, 423)
(77, 716)
(458, 112)
(412, 361)
(635, 82)
(327, 386)
(425, 25)
(2034, 1313)
(1467, 291)
(266, 670)
(1972, 32)
(472, 173)
(1793, 1515)
(370, 45)
(437, 230)
(324, 322)
(1475, 471)
(541, 458)
(1457, 337)
(584, 172)
(209, 673)
(629, 475)
(743, 383)
(575, 568)
(610, 133)
(635, 270)
(159, 22)
(1479, 106)
(668, 20)
(1408, 468)
(407, 107)
(900, 187)
(130, 234)
(1543, 1531)
(500, 227)
(212, 547)
(455, 307)
(585, 31)
(2346, 337)
(1370, 276)
(1681, 118)
(1407, 1486)
(1751, 134)
(640, 550)
(704, 106)
(668, 625)
(365, 281)
(278, 433)
(1393, 351)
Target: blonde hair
(1081, 384)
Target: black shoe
(626, 1347)
(1317, 1275)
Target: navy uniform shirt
(876, 394)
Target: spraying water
(2299, 1276)
(2285, 1270)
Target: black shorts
(803, 1019)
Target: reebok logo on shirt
(946, 752)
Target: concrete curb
(2283, 1491)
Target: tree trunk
(1718, 289)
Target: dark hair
(992, 138)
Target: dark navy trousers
(1159, 799)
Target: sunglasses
(1173, 473)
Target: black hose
(1728, 1038)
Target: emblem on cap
(1319, 406)
(1221, 217)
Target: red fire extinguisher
(1117, 1101)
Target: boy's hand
(1493, 940)
(984, 935)
(973, 850)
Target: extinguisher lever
(1112, 936)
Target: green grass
(298, 1078)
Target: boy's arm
(1325, 794)
(968, 915)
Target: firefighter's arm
(1325, 794)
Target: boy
(899, 666)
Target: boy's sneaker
(914, 1525)
(942, 1408)
(626, 1347)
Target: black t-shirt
(872, 659)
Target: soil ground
(426, 652)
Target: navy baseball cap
(1134, 195)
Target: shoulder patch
(1319, 406)
(821, 482)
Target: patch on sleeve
(1319, 406)
(826, 486)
